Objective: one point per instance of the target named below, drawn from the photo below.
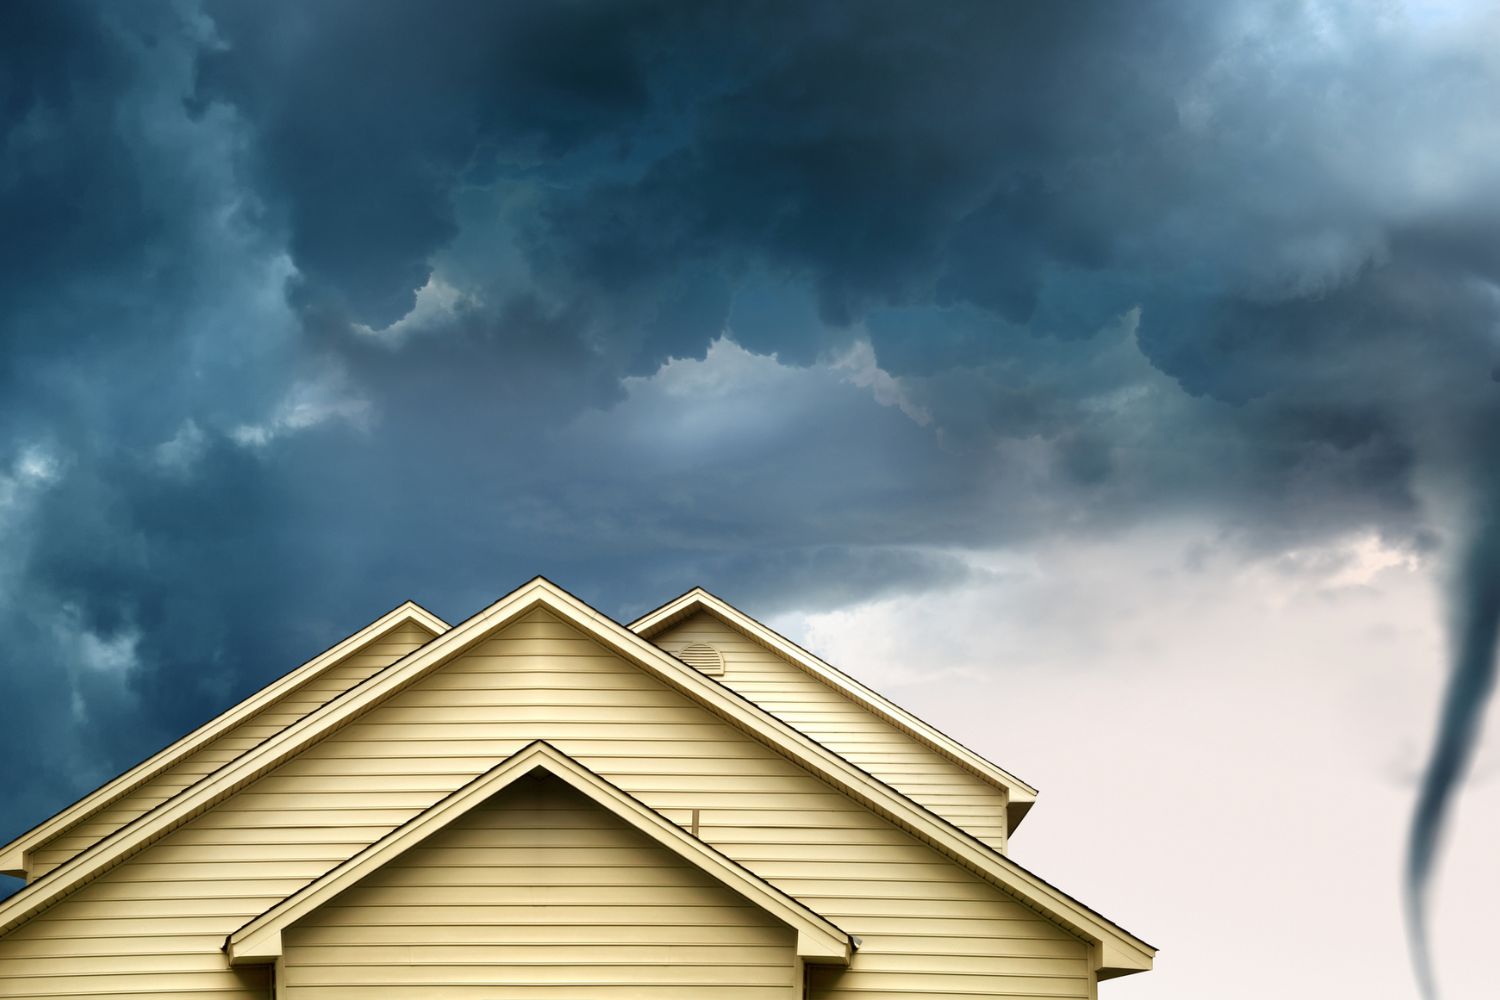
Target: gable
(682, 872)
(845, 726)
(540, 890)
(1019, 795)
(271, 709)
(534, 664)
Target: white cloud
(734, 394)
(114, 655)
(1227, 747)
(309, 404)
(180, 452)
(725, 367)
(33, 468)
(32, 472)
(36, 465)
(98, 666)
(688, 406)
(437, 301)
(860, 368)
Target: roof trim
(818, 939)
(1117, 951)
(1020, 796)
(14, 859)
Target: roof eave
(1114, 958)
(15, 857)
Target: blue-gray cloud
(313, 308)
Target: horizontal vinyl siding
(921, 917)
(847, 728)
(275, 717)
(539, 893)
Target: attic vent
(704, 657)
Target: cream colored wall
(155, 924)
(857, 734)
(272, 719)
(539, 893)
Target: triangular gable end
(818, 940)
(1116, 951)
(1020, 795)
(15, 857)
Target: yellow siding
(539, 893)
(847, 728)
(276, 716)
(929, 927)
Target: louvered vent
(704, 657)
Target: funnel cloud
(1476, 613)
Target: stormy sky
(1138, 363)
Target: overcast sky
(1113, 384)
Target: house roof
(1116, 950)
(13, 859)
(1020, 795)
(818, 940)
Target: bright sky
(1227, 753)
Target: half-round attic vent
(704, 657)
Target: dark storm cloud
(73, 210)
(1042, 170)
(872, 153)
(368, 115)
(327, 305)
(60, 76)
(138, 306)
